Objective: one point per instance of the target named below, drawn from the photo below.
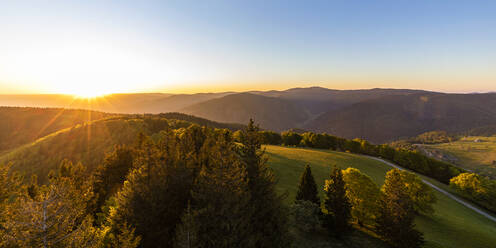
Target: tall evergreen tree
(156, 192)
(337, 207)
(220, 202)
(110, 175)
(395, 222)
(187, 231)
(307, 190)
(268, 215)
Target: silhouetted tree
(110, 175)
(307, 189)
(268, 216)
(337, 208)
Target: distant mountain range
(379, 115)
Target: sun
(88, 92)
(88, 95)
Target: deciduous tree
(363, 194)
(395, 222)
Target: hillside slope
(391, 117)
(452, 225)
(87, 143)
(272, 113)
(20, 126)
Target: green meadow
(452, 224)
(473, 153)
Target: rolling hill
(270, 112)
(20, 126)
(88, 142)
(318, 100)
(391, 117)
(452, 225)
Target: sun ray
(50, 122)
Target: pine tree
(268, 215)
(337, 208)
(395, 222)
(187, 232)
(154, 195)
(307, 190)
(124, 237)
(110, 175)
(220, 202)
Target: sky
(100, 47)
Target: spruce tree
(187, 232)
(220, 202)
(268, 215)
(156, 192)
(110, 175)
(337, 207)
(307, 190)
(395, 223)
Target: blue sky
(193, 46)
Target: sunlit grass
(474, 156)
(452, 225)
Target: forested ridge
(88, 142)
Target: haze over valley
(377, 115)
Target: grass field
(478, 157)
(452, 225)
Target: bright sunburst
(87, 91)
(89, 94)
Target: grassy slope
(452, 225)
(477, 157)
(85, 143)
(20, 126)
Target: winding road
(459, 200)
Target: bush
(305, 216)
(270, 138)
(477, 188)
(291, 138)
